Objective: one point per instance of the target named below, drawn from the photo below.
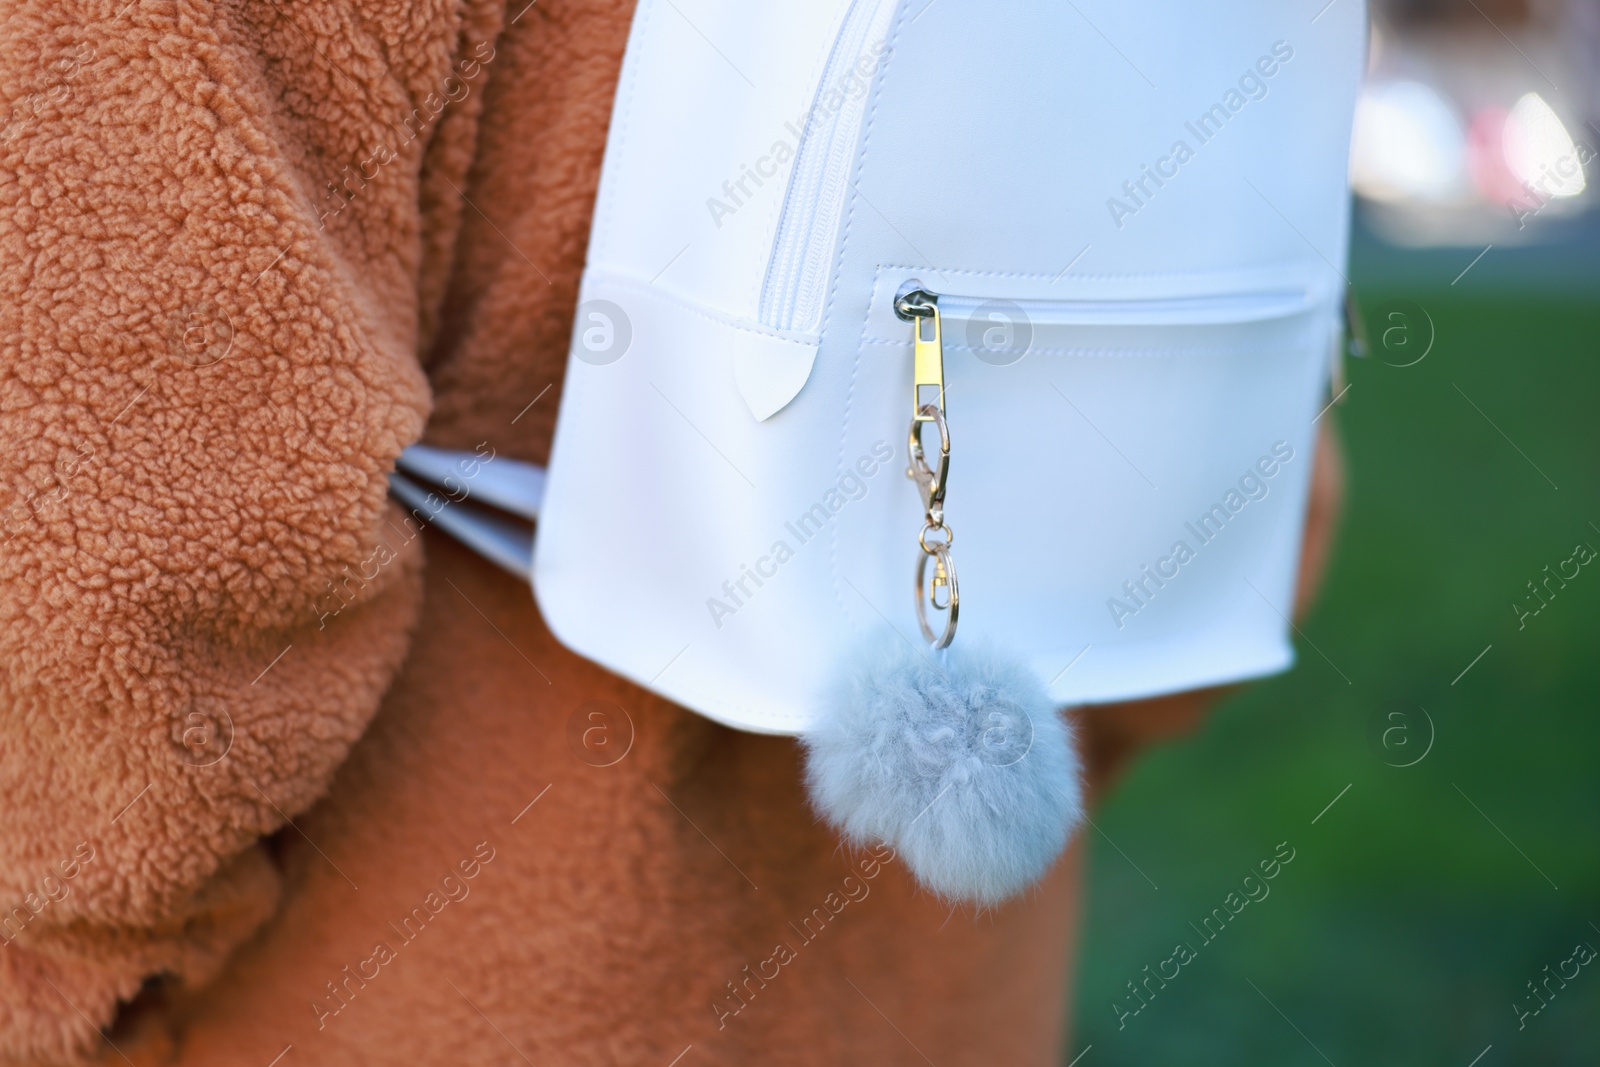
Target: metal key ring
(924, 597)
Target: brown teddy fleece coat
(272, 791)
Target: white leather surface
(993, 136)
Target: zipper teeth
(791, 297)
(1189, 310)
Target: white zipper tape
(797, 274)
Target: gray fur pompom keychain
(955, 756)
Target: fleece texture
(242, 821)
(203, 385)
(955, 757)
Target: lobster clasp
(930, 478)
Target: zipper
(1177, 311)
(1054, 323)
(929, 312)
(797, 275)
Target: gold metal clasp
(930, 480)
(942, 580)
(943, 568)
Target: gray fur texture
(956, 758)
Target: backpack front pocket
(1127, 474)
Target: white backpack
(1118, 234)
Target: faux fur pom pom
(957, 758)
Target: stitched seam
(833, 289)
(1190, 350)
(780, 206)
(1264, 269)
(622, 117)
(643, 289)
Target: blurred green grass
(1407, 924)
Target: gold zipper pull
(921, 308)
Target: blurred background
(1431, 759)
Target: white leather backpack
(1077, 266)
